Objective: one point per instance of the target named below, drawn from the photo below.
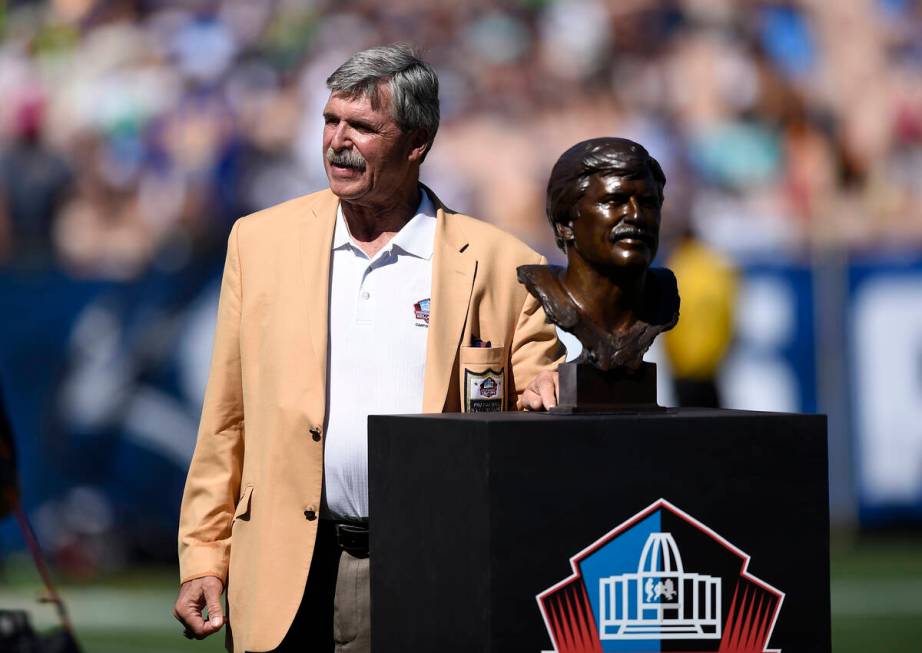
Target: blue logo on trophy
(661, 581)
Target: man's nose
(341, 139)
(632, 212)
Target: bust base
(585, 389)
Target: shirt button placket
(364, 312)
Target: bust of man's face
(617, 222)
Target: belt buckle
(352, 539)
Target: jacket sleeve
(535, 346)
(213, 482)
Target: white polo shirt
(379, 320)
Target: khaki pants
(334, 616)
(351, 606)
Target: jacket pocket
(483, 379)
(243, 506)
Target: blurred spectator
(698, 344)
(34, 180)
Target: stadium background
(133, 133)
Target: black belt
(351, 536)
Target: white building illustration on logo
(660, 601)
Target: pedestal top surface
(669, 413)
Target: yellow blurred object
(707, 288)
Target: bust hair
(413, 85)
(570, 175)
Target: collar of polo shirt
(415, 238)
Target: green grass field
(876, 603)
(877, 596)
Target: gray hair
(413, 85)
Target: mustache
(630, 231)
(346, 158)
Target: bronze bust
(604, 199)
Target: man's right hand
(194, 596)
(541, 393)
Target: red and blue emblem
(421, 311)
(661, 581)
(489, 388)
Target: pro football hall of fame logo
(661, 581)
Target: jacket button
(310, 513)
(315, 433)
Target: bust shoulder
(543, 281)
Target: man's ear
(419, 146)
(564, 231)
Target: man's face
(617, 223)
(372, 158)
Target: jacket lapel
(316, 235)
(453, 272)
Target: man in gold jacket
(258, 515)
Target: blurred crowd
(135, 131)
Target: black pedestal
(474, 516)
